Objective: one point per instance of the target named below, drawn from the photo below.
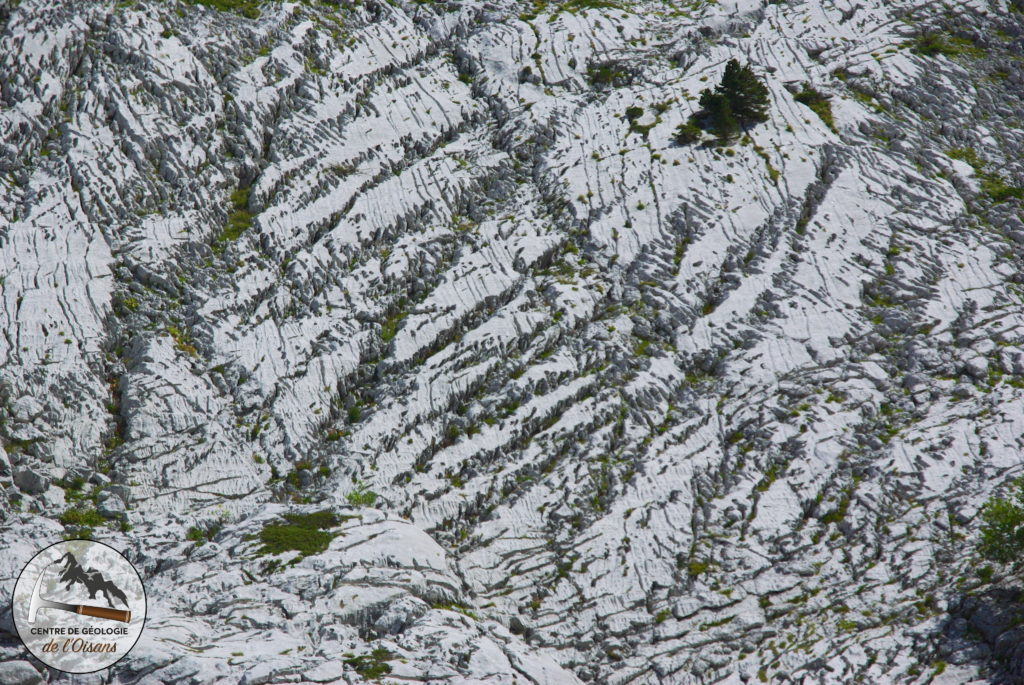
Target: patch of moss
(769, 477)
(13, 446)
(74, 484)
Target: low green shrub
(818, 103)
(372, 665)
(247, 8)
(307, 534)
(1002, 528)
(239, 220)
(688, 133)
(82, 517)
(361, 497)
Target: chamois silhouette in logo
(92, 579)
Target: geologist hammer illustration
(39, 602)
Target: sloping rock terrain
(584, 404)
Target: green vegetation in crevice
(182, 341)
(842, 506)
(307, 534)
(573, 5)
(200, 536)
(932, 44)
(458, 608)
(992, 184)
(73, 489)
(371, 666)
(538, 7)
(695, 568)
(361, 497)
(818, 103)
(239, 219)
(608, 75)
(770, 476)
(247, 8)
(633, 114)
(389, 327)
(998, 189)
(688, 133)
(294, 478)
(14, 446)
(299, 483)
(82, 517)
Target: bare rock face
(31, 480)
(19, 673)
(580, 403)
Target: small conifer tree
(740, 99)
(719, 115)
(748, 97)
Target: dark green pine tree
(748, 97)
(720, 119)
